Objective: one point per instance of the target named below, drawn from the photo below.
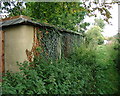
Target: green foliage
(102, 7)
(67, 15)
(108, 76)
(117, 49)
(100, 23)
(61, 14)
(88, 70)
(94, 36)
(12, 8)
(84, 72)
(72, 75)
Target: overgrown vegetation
(94, 35)
(90, 69)
(59, 13)
(107, 77)
(86, 71)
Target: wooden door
(1, 52)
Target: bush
(72, 75)
(107, 75)
(80, 73)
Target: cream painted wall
(17, 39)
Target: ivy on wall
(52, 43)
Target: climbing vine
(52, 43)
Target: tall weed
(83, 72)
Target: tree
(94, 36)
(62, 14)
(100, 23)
(102, 6)
(11, 8)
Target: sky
(109, 30)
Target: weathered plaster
(18, 38)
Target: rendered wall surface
(17, 39)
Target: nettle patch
(80, 72)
